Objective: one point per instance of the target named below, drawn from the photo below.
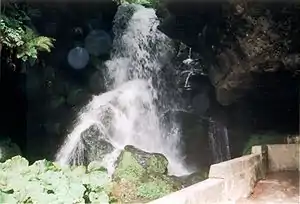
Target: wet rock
(97, 63)
(91, 132)
(95, 144)
(97, 149)
(194, 131)
(98, 42)
(56, 102)
(153, 162)
(33, 83)
(95, 23)
(60, 87)
(96, 83)
(8, 149)
(141, 176)
(49, 73)
(76, 97)
(201, 103)
(192, 178)
(52, 128)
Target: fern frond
(43, 43)
(15, 35)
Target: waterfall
(219, 142)
(131, 111)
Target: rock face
(141, 176)
(98, 42)
(192, 178)
(8, 149)
(96, 83)
(94, 141)
(239, 41)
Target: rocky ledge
(240, 41)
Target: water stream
(219, 142)
(130, 112)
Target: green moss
(128, 168)
(157, 164)
(141, 176)
(154, 189)
(156, 186)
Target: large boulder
(96, 144)
(141, 176)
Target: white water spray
(219, 141)
(129, 114)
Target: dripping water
(219, 142)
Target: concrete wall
(240, 175)
(283, 157)
(228, 181)
(209, 191)
(236, 178)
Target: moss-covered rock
(141, 176)
(155, 186)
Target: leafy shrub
(17, 37)
(46, 182)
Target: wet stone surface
(278, 187)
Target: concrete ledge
(283, 157)
(263, 150)
(240, 175)
(228, 181)
(235, 179)
(209, 191)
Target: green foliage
(47, 182)
(17, 37)
(261, 139)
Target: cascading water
(219, 142)
(130, 113)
